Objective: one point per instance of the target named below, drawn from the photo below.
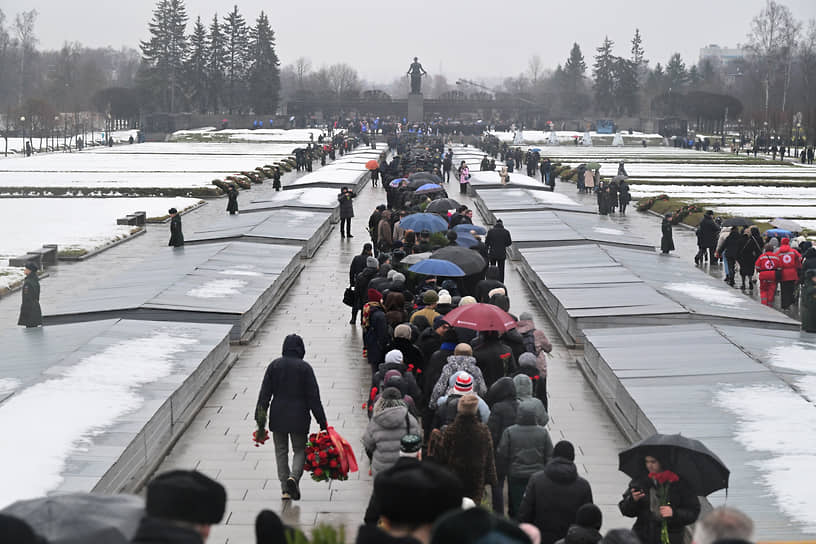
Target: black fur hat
(186, 495)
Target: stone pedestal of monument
(416, 108)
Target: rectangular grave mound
(121, 392)
(234, 283)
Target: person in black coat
(358, 264)
(290, 384)
(232, 200)
(361, 285)
(731, 249)
(30, 311)
(666, 240)
(486, 285)
(497, 241)
(683, 509)
(276, 178)
(176, 236)
(494, 358)
(708, 234)
(554, 495)
(346, 211)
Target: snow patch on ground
(799, 357)
(7, 385)
(78, 223)
(217, 289)
(10, 275)
(50, 420)
(604, 230)
(777, 421)
(706, 293)
(236, 272)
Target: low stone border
(5, 291)
(166, 218)
(100, 249)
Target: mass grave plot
(698, 380)
(303, 228)
(235, 283)
(93, 406)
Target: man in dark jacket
(232, 200)
(373, 224)
(554, 495)
(180, 508)
(501, 398)
(431, 338)
(30, 312)
(291, 385)
(361, 285)
(493, 357)
(176, 236)
(346, 211)
(708, 234)
(497, 241)
(358, 264)
(486, 285)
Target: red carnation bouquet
(664, 480)
(329, 456)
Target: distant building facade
(722, 56)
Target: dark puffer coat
(524, 447)
(581, 535)
(291, 385)
(495, 359)
(552, 498)
(683, 501)
(503, 407)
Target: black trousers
(345, 222)
(499, 263)
(786, 288)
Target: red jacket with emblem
(790, 260)
(767, 265)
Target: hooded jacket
(578, 534)
(524, 447)
(455, 364)
(30, 311)
(383, 434)
(542, 344)
(790, 261)
(524, 394)
(291, 385)
(552, 499)
(501, 397)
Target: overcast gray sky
(470, 39)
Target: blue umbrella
(779, 233)
(437, 267)
(424, 221)
(396, 182)
(464, 239)
(467, 227)
(429, 188)
(536, 150)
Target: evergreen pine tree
(604, 73)
(264, 70)
(164, 54)
(676, 73)
(638, 53)
(626, 86)
(237, 46)
(216, 62)
(196, 67)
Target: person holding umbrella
(655, 503)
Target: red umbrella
(372, 164)
(481, 317)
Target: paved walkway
(218, 441)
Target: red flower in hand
(318, 472)
(670, 476)
(332, 463)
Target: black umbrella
(427, 176)
(688, 458)
(416, 183)
(82, 518)
(468, 260)
(737, 222)
(442, 205)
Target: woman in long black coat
(30, 312)
(666, 241)
(232, 199)
(176, 236)
(641, 501)
(748, 254)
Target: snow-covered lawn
(90, 396)
(17, 145)
(567, 137)
(210, 134)
(777, 423)
(72, 224)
